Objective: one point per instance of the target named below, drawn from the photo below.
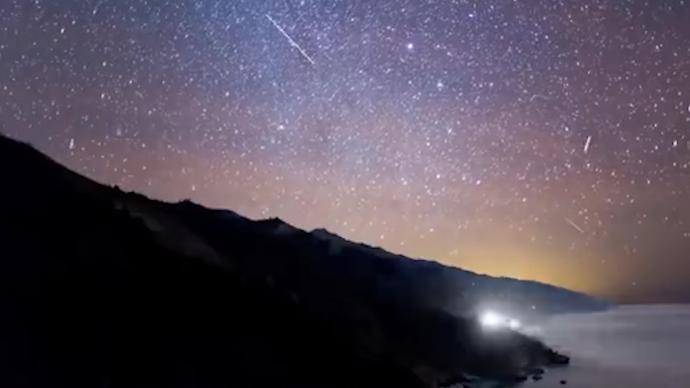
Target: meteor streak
(290, 40)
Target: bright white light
(514, 324)
(491, 319)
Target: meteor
(574, 225)
(587, 143)
(290, 40)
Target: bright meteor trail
(574, 225)
(292, 41)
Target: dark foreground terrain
(103, 288)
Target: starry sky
(545, 140)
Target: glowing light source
(514, 324)
(493, 320)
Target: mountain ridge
(324, 233)
(103, 287)
(338, 243)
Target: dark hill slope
(425, 282)
(110, 289)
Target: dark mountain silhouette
(103, 288)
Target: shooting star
(290, 40)
(587, 143)
(574, 225)
(97, 7)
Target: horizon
(545, 142)
(613, 300)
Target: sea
(629, 346)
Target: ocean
(630, 346)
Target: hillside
(104, 288)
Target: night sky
(545, 140)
